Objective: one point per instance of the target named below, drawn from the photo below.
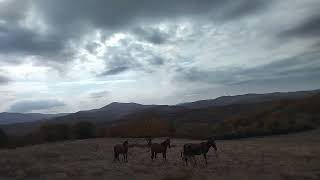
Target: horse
(190, 150)
(160, 148)
(121, 149)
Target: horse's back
(155, 147)
(192, 149)
(119, 148)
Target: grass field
(294, 156)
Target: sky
(70, 55)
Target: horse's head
(125, 143)
(212, 143)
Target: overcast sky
(70, 55)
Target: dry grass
(279, 157)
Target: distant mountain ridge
(12, 118)
(249, 98)
(110, 112)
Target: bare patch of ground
(278, 157)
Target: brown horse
(190, 150)
(121, 149)
(160, 148)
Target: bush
(84, 130)
(3, 139)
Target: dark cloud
(30, 105)
(152, 35)
(309, 28)
(100, 94)
(114, 71)
(92, 47)
(119, 13)
(18, 40)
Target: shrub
(84, 130)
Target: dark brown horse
(121, 149)
(160, 148)
(190, 150)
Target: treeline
(52, 132)
(280, 117)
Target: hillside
(239, 120)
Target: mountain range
(121, 113)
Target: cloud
(4, 80)
(49, 30)
(239, 9)
(24, 106)
(131, 55)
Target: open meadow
(294, 156)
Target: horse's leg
(155, 155)
(194, 160)
(117, 156)
(151, 155)
(205, 158)
(186, 159)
